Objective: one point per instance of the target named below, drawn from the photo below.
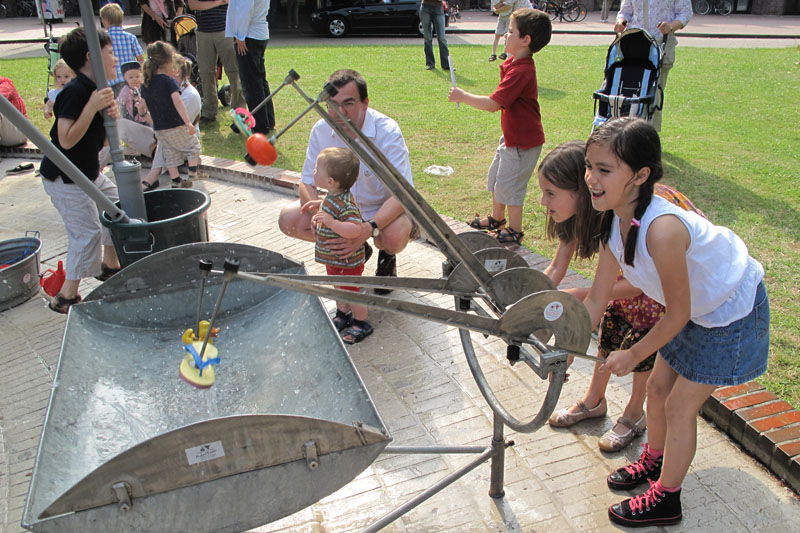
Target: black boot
(656, 507)
(387, 266)
(635, 474)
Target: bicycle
(565, 10)
(704, 7)
(25, 8)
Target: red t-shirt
(518, 96)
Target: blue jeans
(253, 75)
(434, 14)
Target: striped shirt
(211, 20)
(341, 207)
(126, 47)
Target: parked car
(338, 18)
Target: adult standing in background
(247, 25)
(661, 19)
(212, 43)
(156, 16)
(293, 13)
(432, 12)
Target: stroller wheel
(224, 95)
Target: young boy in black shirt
(79, 133)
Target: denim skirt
(728, 355)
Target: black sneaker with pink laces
(629, 477)
(656, 507)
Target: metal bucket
(19, 281)
(128, 446)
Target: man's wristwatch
(375, 230)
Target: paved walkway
(422, 386)
(23, 37)
(418, 377)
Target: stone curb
(766, 427)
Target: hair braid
(645, 195)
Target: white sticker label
(26, 278)
(205, 452)
(495, 265)
(553, 311)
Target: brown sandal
(491, 223)
(61, 305)
(509, 236)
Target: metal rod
(66, 166)
(423, 450)
(231, 267)
(427, 312)
(434, 489)
(205, 269)
(295, 119)
(415, 205)
(290, 79)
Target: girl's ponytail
(159, 53)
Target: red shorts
(342, 271)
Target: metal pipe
(289, 79)
(423, 450)
(231, 267)
(60, 160)
(129, 184)
(205, 269)
(435, 488)
(497, 465)
(416, 207)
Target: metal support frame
(479, 298)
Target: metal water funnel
(128, 446)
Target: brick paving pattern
(422, 386)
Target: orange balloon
(260, 149)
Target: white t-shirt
(723, 277)
(191, 99)
(385, 134)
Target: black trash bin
(174, 217)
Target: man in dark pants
(211, 18)
(247, 24)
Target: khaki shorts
(177, 145)
(510, 172)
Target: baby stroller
(51, 48)
(184, 39)
(630, 87)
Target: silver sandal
(614, 442)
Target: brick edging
(766, 427)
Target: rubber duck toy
(194, 370)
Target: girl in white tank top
(715, 330)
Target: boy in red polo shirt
(521, 122)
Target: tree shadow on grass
(725, 202)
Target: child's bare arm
(484, 103)
(48, 109)
(346, 229)
(176, 100)
(72, 131)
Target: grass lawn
(730, 141)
